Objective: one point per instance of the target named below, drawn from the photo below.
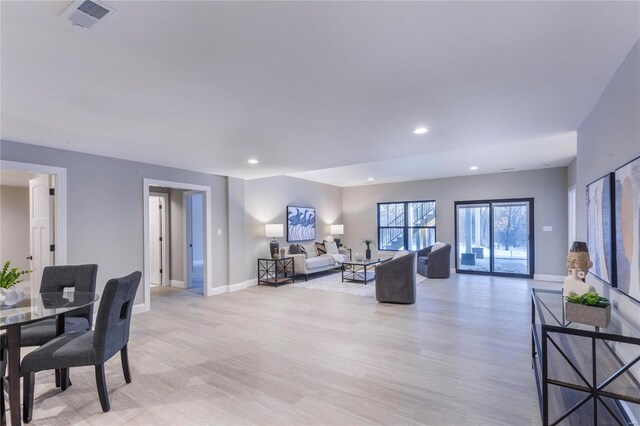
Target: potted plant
(589, 308)
(367, 242)
(10, 294)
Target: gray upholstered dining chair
(3, 367)
(78, 349)
(55, 279)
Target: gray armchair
(435, 263)
(85, 348)
(396, 280)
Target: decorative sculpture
(578, 258)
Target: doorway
(194, 225)
(33, 218)
(158, 239)
(182, 267)
(495, 237)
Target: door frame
(166, 267)
(531, 253)
(208, 252)
(60, 207)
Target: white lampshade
(337, 229)
(274, 230)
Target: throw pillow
(331, 247)
(320, 249)
(400, 253)
(310, 249)
(302, 250)
(294, 249)
(437, 246)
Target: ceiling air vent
(87, 13)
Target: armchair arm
(396, 280)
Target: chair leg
(64, 379)
(29, 380)
(3, 420)
(102, 388)
(124, 356)
(57, 378)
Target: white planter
(11, 296)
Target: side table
(276, 271)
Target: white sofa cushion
(310, 249)
(331, 247)
(319, 262)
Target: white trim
(552, 278)
(177, 283)
(219, 290)
(243, 285)
(208, 255)
(60, 255)
(453, 270)
(137, 309)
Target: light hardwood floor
(459, 356)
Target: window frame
(406, 228)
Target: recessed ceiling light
(370, 179)
(420, 131)
(473, 168)
(252, 161)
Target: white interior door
(155, 252)
(40, 203)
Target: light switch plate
(219, 231)
(547, 228)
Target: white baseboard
(552, 278)
(137, 309)
(218, 290)
(243, 285)
(177, 283)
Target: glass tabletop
(45, 305)
(362, 262)
(550, 306)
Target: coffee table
(360, 270)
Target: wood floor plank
(459, 356)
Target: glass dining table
(32, 309)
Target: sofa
(435, 261)
(313, 261)
(396, 279)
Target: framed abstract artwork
(627, 215)
(600, 226)
(301, 223)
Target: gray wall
(548, 188)
(266, 201)
(14, 227)
(177, 245)
(608, 138)
(239, 267)
(105, 222)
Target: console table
(580, 372)
(276, 271)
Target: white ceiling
(329, 91)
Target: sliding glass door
(495, 237)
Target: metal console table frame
(554, 331)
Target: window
(408, 225)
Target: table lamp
(274, 230)
(337, 230)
